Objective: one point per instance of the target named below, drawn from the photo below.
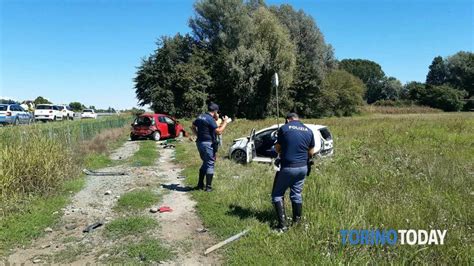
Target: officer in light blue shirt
(206, 129)
(295, 145)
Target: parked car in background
(88, 113)
(14, 114)
(67, 112)
(259, 146)
(48, 112)
(156, 127)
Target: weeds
(136, 200)
(132, 225)
(146, 155)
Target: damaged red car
(156, 127)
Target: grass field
(411, 171)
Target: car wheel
(156, 135)
(16, 122)
(239, 156)
(133, 137)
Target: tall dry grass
(414, 109)
(38, 159)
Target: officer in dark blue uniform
(206, 129)
(295, 144)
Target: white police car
(259, 146)
(14, 114)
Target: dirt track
(178, 229)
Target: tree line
(235, 47)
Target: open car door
(250, 148)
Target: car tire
(239, 156)
(133, 137)
(16, 122)
(156, 136)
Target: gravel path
(178, 229)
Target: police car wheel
(239, 156)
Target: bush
(444, 97)
(341, 93)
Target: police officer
(206, 129)
(295, 145)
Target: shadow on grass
(266, 216)
(177, 187)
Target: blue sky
(88, 50)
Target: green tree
(41, 100)
(386, 89)
(461, 71)
(314, 58)
(7, 101)
(415, 91)
(341, 93)
(158, 78)
(369, 72)
(76, 106)
(247, 45)
(438, 72)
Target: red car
(156, 127)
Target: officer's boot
(209, 182)
(297, 211)
(200, 184)
(280, 210)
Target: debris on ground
(169, 146)
(236, 177)
(48, 230)
(35, 261)
(154, 210)
(91, 227)
(101, 173)
(201, 230)
(181, 177)
(165, 209)
(227, 241)
(108, 192)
